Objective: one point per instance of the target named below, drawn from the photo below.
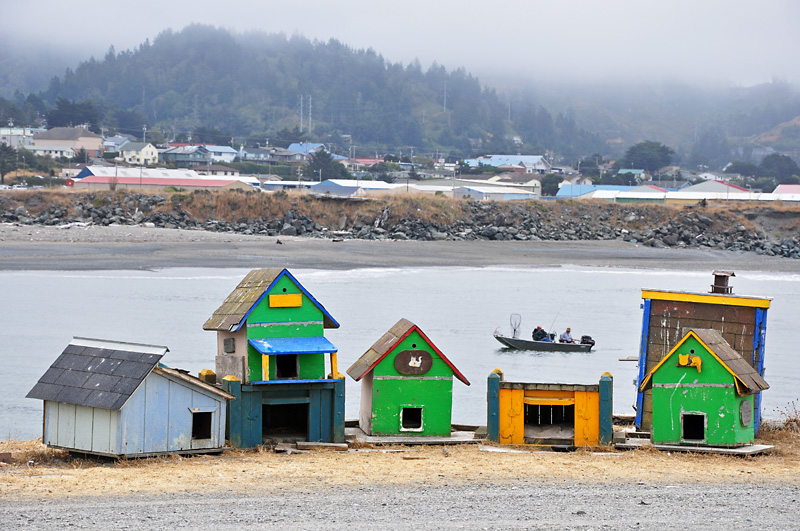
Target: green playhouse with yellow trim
(406, 385)
(703, 393)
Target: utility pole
(301, 113)
(445, 96)
(144, 133)
(309, 114)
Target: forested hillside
(208, 82)
(214, 86)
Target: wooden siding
(82, 428)
(158, 418)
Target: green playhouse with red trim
(406, 385)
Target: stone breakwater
(763, 230)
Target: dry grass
(53, 473)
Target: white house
(222, 153)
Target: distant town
(80, 159)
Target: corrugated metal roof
(154, 181)
(230, 316)
(97, 373)
(386, 344)
(293, 345)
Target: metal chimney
(720, 284)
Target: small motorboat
(515, 342)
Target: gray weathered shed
(115, 399)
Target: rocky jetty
(767, 230)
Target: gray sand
(135, 247)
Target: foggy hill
(217, 85)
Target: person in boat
(566, 337)
(539, 334)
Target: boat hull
(542, 346)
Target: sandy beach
(25, 247)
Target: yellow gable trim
(647, 378)
(706, 298)
(288, 300)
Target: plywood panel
(587, 419)
(512, 416)
(181, 399)
(50, 435)
(156, 427)
(132, 427)
(84, 427)
(66, 425)
(102, 431)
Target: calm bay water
(458, 308)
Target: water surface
(458, 308)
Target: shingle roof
(230, 316)
(747, 379)
(742, 370)
(387, 342)
(134, 146)
(97, 373)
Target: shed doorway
(284, 422)
(411, 419)
(549, 424)
(693, 427)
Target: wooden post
(233, 422)
(334, 366)
(606, 409)
(338, 411)
(493, 407)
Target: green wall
(720, 405)
(435, 396)
(303, 321)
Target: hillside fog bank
(766, 230)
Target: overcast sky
(736, 41)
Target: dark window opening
(287, 366)
(693, 427)
(201, 425)
(285, 421)
(549, 422)
(411, 418)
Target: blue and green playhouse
(271, 354)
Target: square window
(287, 366)
(201, 425)
(411, 419)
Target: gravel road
(531, 505)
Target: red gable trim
(456, 372)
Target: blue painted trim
(300, 286)
(275, 346)
(274, 382)
(493, 407)
(642, 360)
(759, 340)
(606, 421)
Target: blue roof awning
(293, 345)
